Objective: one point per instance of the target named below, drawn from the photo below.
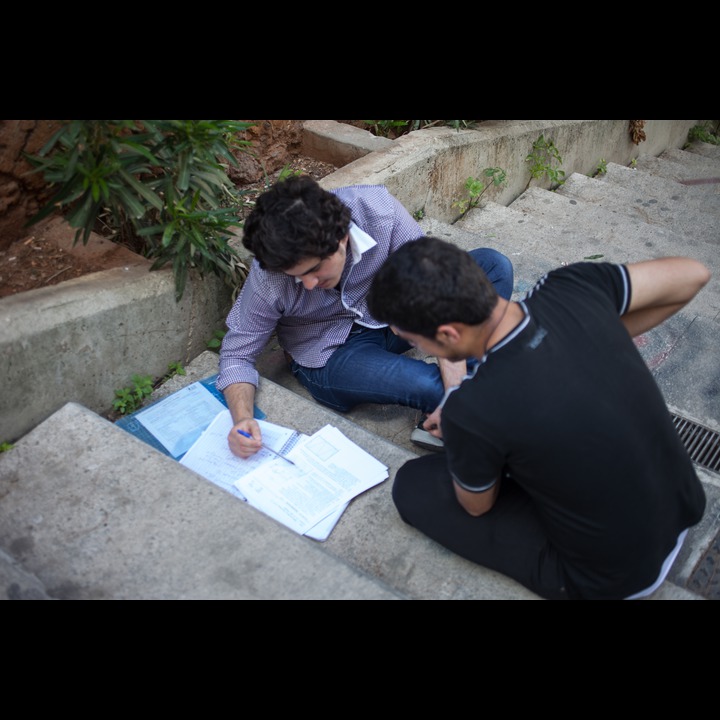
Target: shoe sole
(420, 437)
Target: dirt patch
(47, 255)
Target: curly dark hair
(294, 220)
(430, 282)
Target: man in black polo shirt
(562, 468)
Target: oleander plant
(160, 187)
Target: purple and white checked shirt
(311, 324)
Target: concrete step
(588, 218)
(702, 195)
(699, 161)
(603, 231)
(681, 352)
(534, 246)
(100, 515)
(702, 148)
(659, 202)
(97, 514)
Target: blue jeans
(371, 367)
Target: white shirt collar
(359, 242)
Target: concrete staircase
(89, 512)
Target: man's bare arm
(452, 374)
(240, 398)
(659, 288)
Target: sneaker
(424, 439)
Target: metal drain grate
(703, 445)
(701, 442)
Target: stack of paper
(310, 496)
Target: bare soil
(47, 256)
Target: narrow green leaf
(132, 207)
(137, 147)
(168, 235)
(84, 213)
(184, 172)
(142, 190)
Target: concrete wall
(81, 340)
(427, 169)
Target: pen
(248, 435)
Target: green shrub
(707, 131)
(161, 187)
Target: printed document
(329, 471)
(178, 420)
(173, 423)
(310, 496)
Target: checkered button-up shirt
(311, 324)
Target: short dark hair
(294, 220)
(427, 283)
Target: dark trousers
(509, 538)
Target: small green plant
(419, 214)
(285, 173)
(708, 131)
(476, 187)
(174, 368)
(601, 168)
(633, 163)
(128, 399)
(386, 128)
(159, 186)
(215, 341)
(541, 159)
(4, 447)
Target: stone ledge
(339, 143)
